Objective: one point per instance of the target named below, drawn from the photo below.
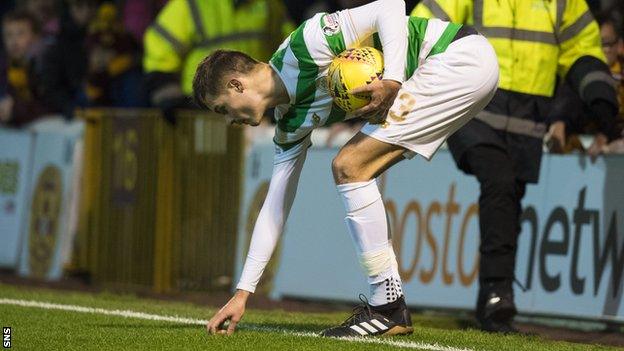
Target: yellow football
(353, 68)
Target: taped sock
(367, 223)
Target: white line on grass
(244, 326)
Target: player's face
(240, 105)
(18, 37)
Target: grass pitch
(81, 321)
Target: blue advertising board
(46, 234)
(15, 157)
(571, 249)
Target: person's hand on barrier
(6, 107)
(171, 106)
(617, 145)
(225, 321)
(598, 146)
(382, 93)
(556, 137)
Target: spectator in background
(65, 63)
(46, 12)
(139, 14)
(570, 116)
(502, 146)
(613, 46)
(21, 101)
(186, 31)
(5, 7)
(114, 70)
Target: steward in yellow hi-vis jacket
(536, 41)
(186, 31)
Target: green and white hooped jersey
(304, 57)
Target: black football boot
(385, 320)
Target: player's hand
(556, 139)
(598, 146)
(232, 312)
(382, 93)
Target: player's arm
(270, 223)
(269, 226)
(387, 18)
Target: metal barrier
(159, 201)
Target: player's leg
(364, 158)
(445, 92)
(355, 168)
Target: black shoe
(496, 308)
(491, 326)
(389, 319)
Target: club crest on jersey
(330, 24)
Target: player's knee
(339, 169)
(344, 171)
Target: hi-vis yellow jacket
(535, 40)
(186, 31)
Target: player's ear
(236, 85)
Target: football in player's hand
(351, 69)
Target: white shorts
(442, 95)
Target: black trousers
(499, 209)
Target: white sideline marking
(245, 326)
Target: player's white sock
(368, 225)
(386, 291)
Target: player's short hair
(212, 71)
(23, 16)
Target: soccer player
(437, 76)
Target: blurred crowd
(60, 55)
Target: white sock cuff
(358, 195)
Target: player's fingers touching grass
(232, 326)
(213, 323)
(216, 323)
(225, 321)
